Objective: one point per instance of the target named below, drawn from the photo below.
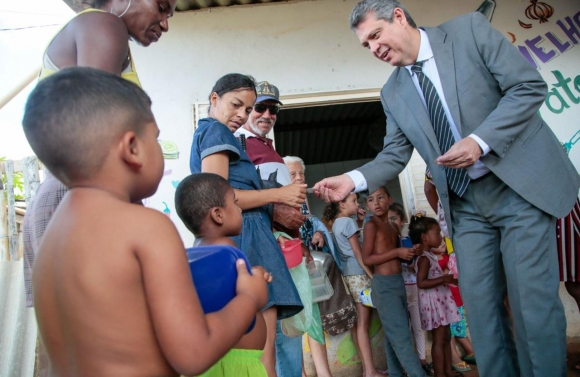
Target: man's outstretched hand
(334, 189)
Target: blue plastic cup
(214, 273)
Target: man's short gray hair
(382, 9)
(289, 159)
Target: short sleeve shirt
(213, 137)
(343, 228)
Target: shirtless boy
(207, 205)
(112, 287)
(380, 249)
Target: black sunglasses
(261, 108)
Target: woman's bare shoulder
(95, 39)
(97, 19)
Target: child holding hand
(436, 304)
(207, 205)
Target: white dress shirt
(475, 171)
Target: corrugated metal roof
(200, 4)
(183, 5)
(332, 133)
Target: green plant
(18, 183)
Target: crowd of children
(81, 315)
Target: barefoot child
(355, 273)
(381, 252)
(112, 287)
(398, 216)
(436, 304)
(207, 205)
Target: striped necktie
(457, 179)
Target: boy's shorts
(238, 363)
(459, 328)
(356, 284)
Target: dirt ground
(573, 359)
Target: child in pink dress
(436, 304)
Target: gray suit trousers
(390, 299)
(505, 245)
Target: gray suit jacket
(491, 91)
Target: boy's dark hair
(380, 187)
(386, 191)
(399, 209)
(196, 195)
(233, 82)
(420, 225)
(72, 119)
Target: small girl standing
(398, 216)
(356, 275)
(436, 303)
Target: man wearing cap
(260, 122)
(260, 150)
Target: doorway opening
(332, 138)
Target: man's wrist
(358, 179)
(485, 149)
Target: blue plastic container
(214, 273)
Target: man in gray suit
(467, 100)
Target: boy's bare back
(380, 240)
(114, 293)
(101, 262)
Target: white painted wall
(305, 47)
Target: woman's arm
(355, 245)
(424, 282)
(292, 195)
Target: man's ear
(217, 215)
(399, 15)
(129, 149)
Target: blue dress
(256, 241)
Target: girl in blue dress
(216, 150)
